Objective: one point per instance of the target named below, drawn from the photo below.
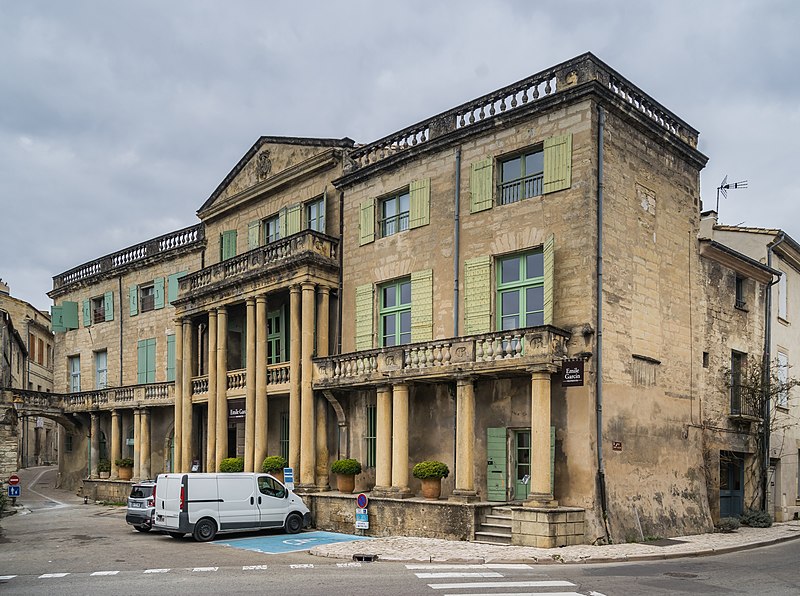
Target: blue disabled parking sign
(14, 491)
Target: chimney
(708, 219)
(4, 289)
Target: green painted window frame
(523, 184)
(283, 439)
(394, 212)
(276, 340)
(370, 436)
(314, 212)
(74, 375)
(396, 310)
(272, 229)
(525, 281)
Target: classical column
(321, 414)
(250, 387)
(261, 406)
(116, 436)
(541, 493)
(294, 379)
(323, 321)
(186, 442)
(144, 450)
(383, 441)
(177, 433)
(307, 434)
(222, 385)
(137, 438)
(400, 441)
(95, 449)
(211, 439)
(465, 440)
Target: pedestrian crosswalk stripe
(509, 566)
(205, 568)
(156, 570)
(105, 572)
(454, 574)
(353, 564)
(6, 577)
(254, 567)
(550, 583)
(52, 575)
(520, 594)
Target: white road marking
(33, 483)
(254, 567)
(105, 573)
(527, 584)
(454, 574)
(205, 568)
(354, 564)
(522, 594)
(156, 570)
(593, 593)
(52, 575)
(303, 566)
(470, 566)
(6, 577)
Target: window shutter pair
(227, 245)
(419, 211)
(146, 361)
(557, 173)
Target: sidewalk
(430, 550)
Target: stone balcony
(277, 382)
(112, 398)
(496, 354)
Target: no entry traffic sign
(13, 480)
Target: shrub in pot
(104, 468)
(346, 470)
(274, 464)
(232, 464)
(124, 468)
(431, 473)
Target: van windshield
(271, 487)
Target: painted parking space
(288, 543)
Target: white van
(204, 504)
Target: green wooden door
(496, 467)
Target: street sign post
(288, 478)
(362, 519)
(14, 491)
(13, 480)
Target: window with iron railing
(394, 211)
(521, 177)
(98, 310)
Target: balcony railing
(277, 374)
(510, 351)
(304, 244)
(744, 404)
(153, 394)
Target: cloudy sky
(118, 119)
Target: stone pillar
(222, 385)
(211, 439)
(307, 434)
(294, 379)
(144, 451)
(95, 449)
(116, 437)
(186, 416)
(400, 441)
(383, 442)
(541, 493)
(250, 387)
(465, 441)
(177, 432)
(261, 407)
(137, 444)
(323, 321)
(321, 415)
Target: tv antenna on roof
(725, 186)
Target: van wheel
(142, 528)
(176, 535)
(205, 530)
(294, 523)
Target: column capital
(261, 299)
(222, 309)
(212, 314)
(543, 369)
(462, 380)
(294, 289)
(308, 285)
(250, 300)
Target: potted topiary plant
(232, 464)
(431, 474)
(104, 468)
(274, 464)
(346, 470)
(124, 468)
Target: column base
(381, 491)
(463, 496)
(400, 492)
(540, 500)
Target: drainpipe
(456, 241)
(601, 470)
(767, 365)
(341, 269)
(120, 317)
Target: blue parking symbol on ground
(288, 543)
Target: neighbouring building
(514, 287)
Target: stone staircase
(496, 528)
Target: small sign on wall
(572, 373)
(236, 409)
(616, 445)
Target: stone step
(495, 528)
(505, 519)
(492, 538)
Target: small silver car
(141, 506)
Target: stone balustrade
(154, 394)
(492, 353)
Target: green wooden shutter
(227, 242)
(557, 163)
(173, 286)
(282, 222)
(253, 229)
(496, 457)
(549, 261)
(108, 305)
(170, 358)
(477, 295)
(87, 313)
(57, 319)
(422, 305)
(293, 222)
(141, 361)
(364, 313)
(419, 203)
(151, 361)
(366, 222)
(481, 184)
(70, 314)
(158, 292)
(133, 295)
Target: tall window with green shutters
(146, 361)
(395, 313)
(227, 245)
(520, 290)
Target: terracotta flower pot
(345, 483)
(125, 473)
(431, 488)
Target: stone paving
(397, 548)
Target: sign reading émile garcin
(572, 373)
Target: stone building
(514, 287)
